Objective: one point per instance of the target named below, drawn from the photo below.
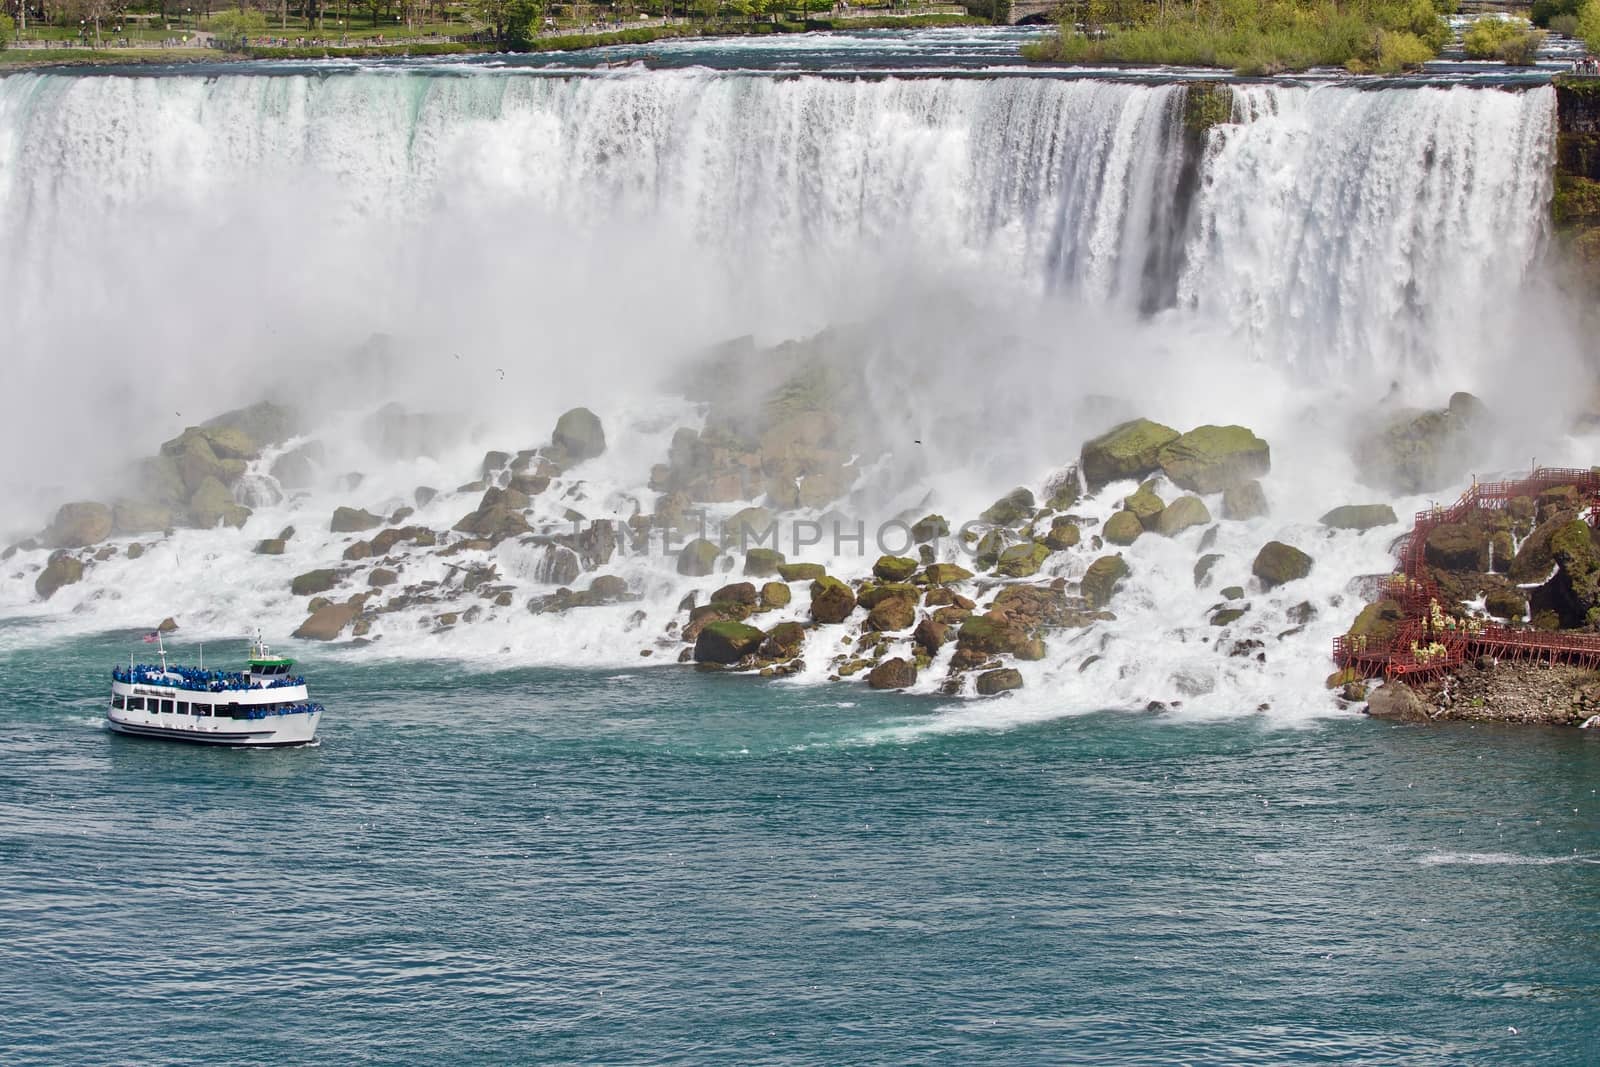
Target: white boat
(264, 705)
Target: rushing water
(628, 867)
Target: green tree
(232, 27)
(7, 28)
(523, 19)
(1589, 24)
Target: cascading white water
(173, 244)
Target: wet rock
(558, 566)
(1101, 580)
(801, 572)
(1244, 501)
(61, 570)
(1013, 509)
(762, 562)
(1229, 615)
(1022, 561)
(1420, 451)
(784, 641)
(1506, 604)
(243, 432)
(1398, 701)
(359, 551)
(494, 524)
(831, 600)
(272, 546)
(79, 524)
(990, 635)
(1360, 517)
(1064, 534)
(1123, 528)
(892, 615)
(212, 505)
(698, 558)
(894, 568)
(989, 547)
(382, 576)
(424, 495)
(871, 594)
(726, 642)
(578, 436)
(1210, 459)
(353, 520)
(298, 468)
(136, 517)
(384, 541)
(1180, 515)
(1145, 505)
(1129, 450)
(931, 635)
(608, 589)
(929, 528)
(991, 683)
(314, 582)
(1278, 563)
(946, 573)
(775, 595)
(737, 593)
(326, 623)
(893, 674)
(1457, 547)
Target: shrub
(7, 28)
(1589, 24)
(1508, 40)
(1565, 25)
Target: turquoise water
(666, 867)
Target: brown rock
(893, 674)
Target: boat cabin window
(117, 701)
(183, 707)
(136, 703)
(201, 709)
(166, 707)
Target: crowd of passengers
(195, 679)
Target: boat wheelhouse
(264, 705)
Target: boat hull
(279, 731)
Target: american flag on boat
(152, 637)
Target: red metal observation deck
(1428, 641)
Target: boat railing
(197, 680)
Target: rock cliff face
(1575, 207)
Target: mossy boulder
(946, 573)
(1360, 517)
(801, 572)
(989, 547)
(1013, 509)
(578, 436)
(1506, 604)
(327, 622)
(775, 595)
(1021, 561)
(783, 641)
(871, 594)
(892, 615)
(353, 520)
(1202, 568)
(1534, 561)
(698, 558)
(996, 635)
(929, 528)
(1457, 547)
(1209, 459)
(1064, 534)
(1574, 550)
(212, 504)
(893, 674)
(1101, 580)
(1146, 505)
(136, 516)
(831, 600)
(61, 570)
(230, 442)
(1002, 680)
(930, 635)
(1228, 616)
(1415, 452)
(1129, 450)
(1182, 514)
(1123, 528)
(272, 546)
(254, 428)
(894, 568)
(726, 642)
(737, 593)
(314, 582)
(1377, 622)
(79, 524)
(1278, 563)
(762, 562)
(1244, 501)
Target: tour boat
(264, 705)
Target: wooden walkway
(1428, 641)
